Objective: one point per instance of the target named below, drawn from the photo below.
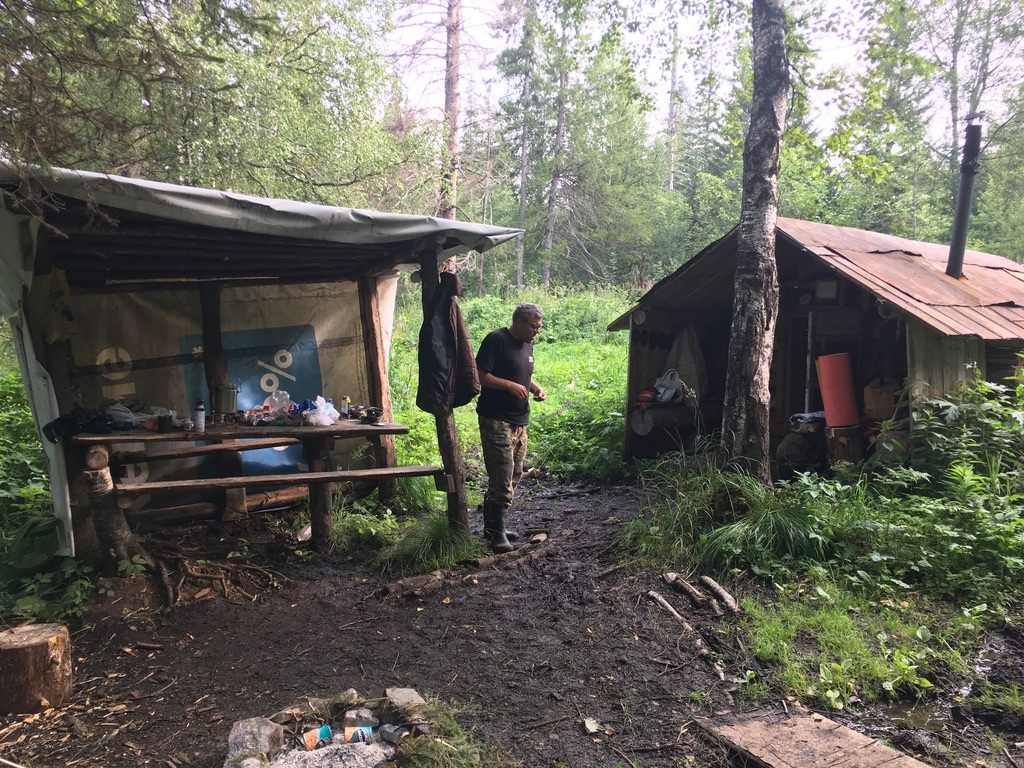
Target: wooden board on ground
(798, 738)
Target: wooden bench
(296, 478)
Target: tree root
(234, 579)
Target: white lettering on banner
(115, 364)
(270, 382)
(137, 472)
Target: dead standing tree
(756, 298)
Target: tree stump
(35, 668)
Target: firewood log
(35, 668)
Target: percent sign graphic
(270, 382)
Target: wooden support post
(35, 668)
(111, 525)
(447, 434)
(321, 500)
(215, 366)
(377, 367)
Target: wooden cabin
(153, 294)
(885, 302)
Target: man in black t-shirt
(505, 364)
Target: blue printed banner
(261, 361)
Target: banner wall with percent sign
(304, 339)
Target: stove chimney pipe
(964, 197)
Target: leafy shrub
(22, 462)
(955, 532)
(363, 525)
(34, 583)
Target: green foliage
(683, 497)
(881, 576)
(363, 524)
(952, 525)
(452, 747)
(429, 546)
(33, 582)
(52, 594)
(833, 647)
(133, 567)
(21, 454)
(579, 429)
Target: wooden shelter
(128, 290)
(884, 301)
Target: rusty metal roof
(986, 302)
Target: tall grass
(578, 430)
(882, 576)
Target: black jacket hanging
(447, 377)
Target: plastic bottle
(346, 403)
(199, 416)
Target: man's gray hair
(527, 312)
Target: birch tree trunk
(745, 422)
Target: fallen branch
(416, 586)
(542, 723)
(728, 600)
(608, 571)
(680, 584)
(698, 643)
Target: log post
(35, 668)
(377, 366)
(447, 433)
(116, 538)
(321, 500)
(215, 367)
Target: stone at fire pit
(256, 739)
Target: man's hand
(539, 394)
(518, 390)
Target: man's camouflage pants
(504, 448)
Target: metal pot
(225, 399)
(372, 415)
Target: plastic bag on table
(323, 415)
(280, 402)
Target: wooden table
(317, 444)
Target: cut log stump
(35, 668)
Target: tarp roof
(113, 227)
(987, 302)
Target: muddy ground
(525, 651)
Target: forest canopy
(612, 134)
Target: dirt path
(527, 653)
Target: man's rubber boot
(494, 529)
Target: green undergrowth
(578, 430)
(881, 578)
(429, 546)
(447, 746)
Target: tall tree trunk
(745, 421)
(525, 93)
(524, 168)
(672, 99)
(556, 179)
(448, 199)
